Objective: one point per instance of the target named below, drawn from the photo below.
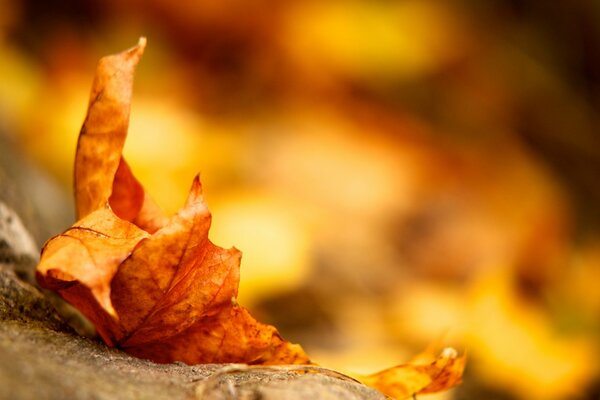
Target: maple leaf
(156, 286)
(153, 286)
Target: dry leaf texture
(153, 286)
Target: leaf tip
(137, 51)
(449, 352)
(197, 182)
(196, 189)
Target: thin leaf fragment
(406, 380)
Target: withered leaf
(400, 382)
(155, 286)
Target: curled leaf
(404, 381)
(153, 286)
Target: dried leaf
(154, 286)
(157, 287)
(410, 379)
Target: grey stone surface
(43, 358)
(285, 383)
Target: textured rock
(285, 383)
(42, 357)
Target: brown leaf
(229, 336)
(403, 381)
(154, 286)
(104, 130)
(80, 263)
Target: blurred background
(396, 173)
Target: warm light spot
(272, 240)
(366, 39)
(517, 346)
(164, 146)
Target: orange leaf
(406, 380)
(154, 286)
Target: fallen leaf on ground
(155, 286)
(420, 377)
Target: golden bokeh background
(396, 173)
